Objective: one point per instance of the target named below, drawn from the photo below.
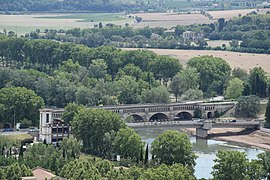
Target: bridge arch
(158, 117)
(209, 115)
(183, 116)
(134, 118)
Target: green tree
(221, 23)
(90, 126)
(128, 90)
(98, 68)
(264, 160)
(240, 73)
(146, 158)
(258, 81)
(21, 103)
(255, 170)
(176, 86)
(128, 144)
(247, 106)
(70, 111)
(159, 94)
(213, 73)
(46, 156)
(165, 67)
(230, 165)
(132, 70)
(179, 30)
(173, 147)
(185, 80)
(16, 171)
(80, 169)
(234, 89)
(267, 114)
(71, 145)
(192, 94)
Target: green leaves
(235, 165)
(173, 147)
(230, 165)
(128, 143)
(213, 73)
(248, 106)
(90, 125)
(234, 89)
(21, 102)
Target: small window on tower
(47, 118)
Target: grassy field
(218, 43)
(26, 23)
(245, 61)
(169, 19)
(91, 17)
(19, 137)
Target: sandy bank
(251, 138)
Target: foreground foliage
(248, 106)
(173, 147)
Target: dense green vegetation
(247, 34)
(235, 165)
(248, 106)
(63, 160)
(253, 30)
(122, 5)
(20, 103)
(62, 73)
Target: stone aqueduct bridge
(166, 115)
(168, 112)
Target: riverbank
(247, 137)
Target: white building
(193, 36)
(51, 127)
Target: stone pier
(202, 132)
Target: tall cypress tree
(146, 155)
(141, 156)
(267, 114)
(3, 150)
(21, 151)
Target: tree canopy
(235, 165)
(91, 125)
(19, 103)
(234, 89)
(213, 73)
(173, 147)
(248, 106)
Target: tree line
(252, 30)
(37, 73)
(71, 6)
(249, 33)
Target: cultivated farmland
(229, 14)
(169, 19)
(26, 23)
(245, 61)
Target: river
(205, 150)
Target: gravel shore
(247, 137)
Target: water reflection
(205, 150)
